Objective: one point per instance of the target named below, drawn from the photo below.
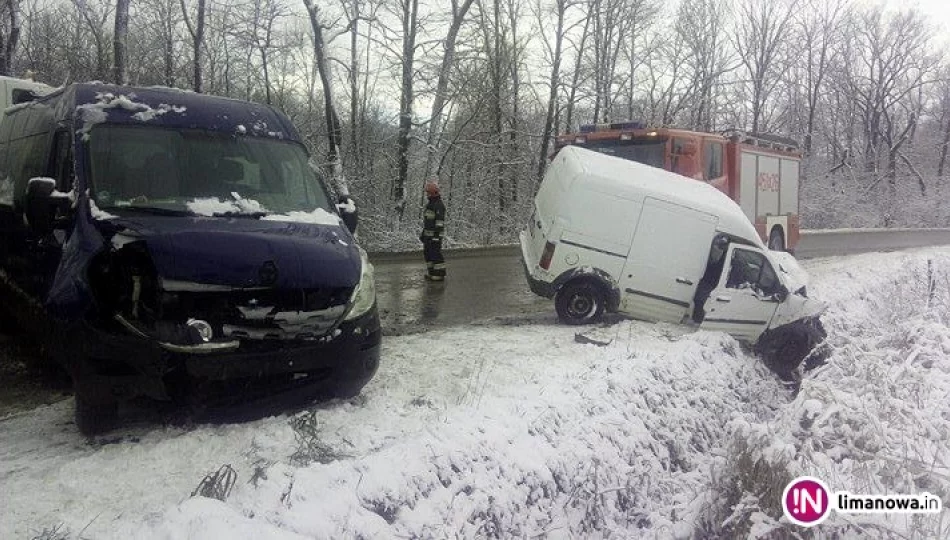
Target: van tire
(777, 240)
(580, 302)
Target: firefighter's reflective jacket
(433, 220)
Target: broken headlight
(364, 295)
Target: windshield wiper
(251, 215)
(154, 210)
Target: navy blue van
(168, 244)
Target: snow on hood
(319, 216)
(210, 206)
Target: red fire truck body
(759, 172)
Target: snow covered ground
(518, 429)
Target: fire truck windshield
(651, 151)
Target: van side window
(712, 159)
(62, 166)
(749, 269)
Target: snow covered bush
(874, 420)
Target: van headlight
(364, 295)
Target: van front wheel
(580, 303)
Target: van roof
(636, 180)
(96, 103)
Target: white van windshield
(169, 169)
(650, 151)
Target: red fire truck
(759, 172)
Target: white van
(14, 91)
(609, 234)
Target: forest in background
(472, 91)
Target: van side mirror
(41, 204)
(348, 212)
(781, 293)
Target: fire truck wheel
(777, 240)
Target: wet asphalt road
(479, 289)
(488, 284)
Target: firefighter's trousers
(435, 263)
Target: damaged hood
(244, 252)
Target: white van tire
(580, 302)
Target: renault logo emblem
(268, 273)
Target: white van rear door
(667, 258)
(743, 303)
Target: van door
(667, 258)
(746, 298)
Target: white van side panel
(667, 259)
(598, 220)
(568, 256)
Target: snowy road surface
(517, 429)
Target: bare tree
(700, 27)
(433, 143)
(120, 38)
(409, 18)
(554, 81)
(95, 17)
(761, 37)
(820, 27)
(891, 63)
(9, 34)
(334, 131)
(611, 24)
(576, 74)
(197, 31)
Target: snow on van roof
(621, 176)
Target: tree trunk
(552, 94)
(9, 48)
(121, 75)
(575, 77)
(353, 79)
(433, 140)
(334, 133)
(410, 11)
(943, 149)
(168, 50)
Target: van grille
(262, 314)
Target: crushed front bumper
(127, 366)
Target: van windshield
(651, 151)
(177, 170)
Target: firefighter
(433, 229)
(714, 266)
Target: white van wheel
(579, 303)
(777, 240)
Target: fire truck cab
(759, 172)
